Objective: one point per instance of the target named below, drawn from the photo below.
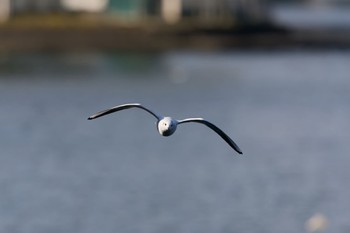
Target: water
(312, 16)
(288, 111)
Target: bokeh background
(274, 75)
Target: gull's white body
(166, 125)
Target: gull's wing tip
(216, 129)
(92, 117)
(236, 148)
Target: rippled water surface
(288, 111)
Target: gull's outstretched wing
(122, 107)
(216, 129)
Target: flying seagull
(166, 125)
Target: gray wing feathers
(216, 129)
(121, 107)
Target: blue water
(316, 15)
(288, 111)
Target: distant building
(169, 11)
(21, 6)
(37, 6)
(172, 11)
(85, 5)
(128, 9)
(4, 10)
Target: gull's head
(167, 126)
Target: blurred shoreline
(72, 32)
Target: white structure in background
(171, 10)
(317, 223)
(85, 5)
(4, 10)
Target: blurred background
(274, 75)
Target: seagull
(167, 125)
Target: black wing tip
(238, 150)
(91, 117)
